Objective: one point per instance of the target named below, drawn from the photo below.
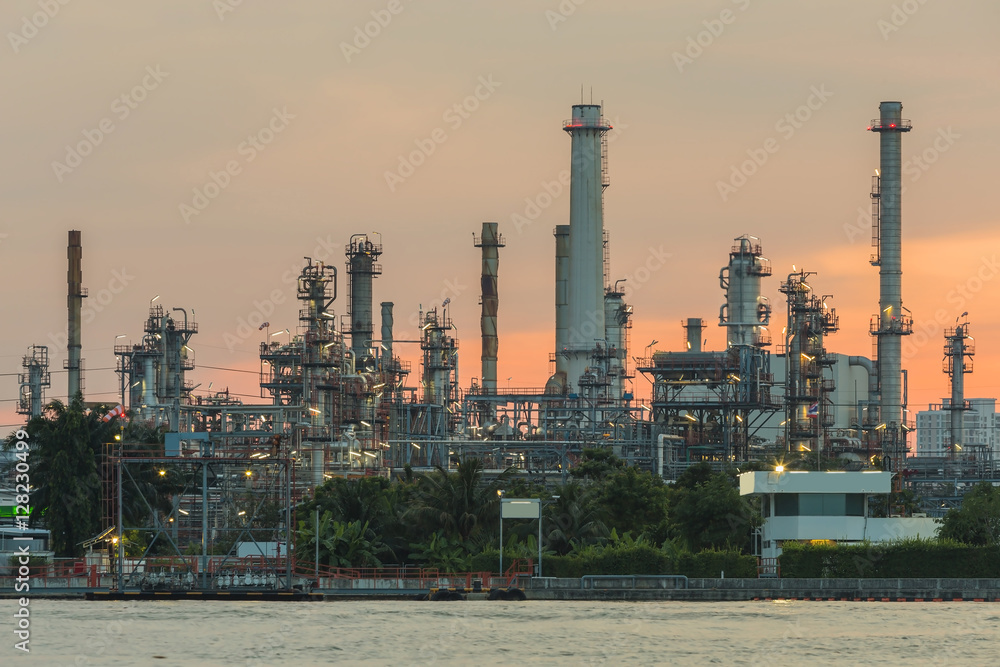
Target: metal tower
(892, 321)
(34, 381)
(746, 312)
(959, 349)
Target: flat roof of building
(810, 481)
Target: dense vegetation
(606, 518)
(65, 456)
(900, 559)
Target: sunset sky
(204, 148)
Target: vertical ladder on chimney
(605, 177)
(876, 258)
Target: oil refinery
(338, 399)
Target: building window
(819, 504)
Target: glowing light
(163, 473)
(249, 473)
(779, 468)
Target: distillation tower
(959, 348)
(153, 372)
(807, 391)
(713, 403)
(33, 381)
(746, 312)
(362, 268)
(892, 321)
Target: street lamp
(500, 496)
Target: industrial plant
(338, 399)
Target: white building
(981, 427)
(806, 506)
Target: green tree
(977, 521)
(460, 503)
(710, 513)
(632, 500)
(341, 544)
(596, 464)
(438, 551)
(573, 520)
(65, 450)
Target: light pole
(500, 496)
(540, 534)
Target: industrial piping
(74, 303)
(490, 242)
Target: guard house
(805, 506)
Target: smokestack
(490, 242)
(892, 321)
(362, 255)
(586, 237)
(74, 302)
(387, 330)
(694, 327)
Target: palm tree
(65, 448)
(574, 519)
(457, 503)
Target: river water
(166, 633)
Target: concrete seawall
(652, 588)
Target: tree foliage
(65, 450)
(977, 521)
